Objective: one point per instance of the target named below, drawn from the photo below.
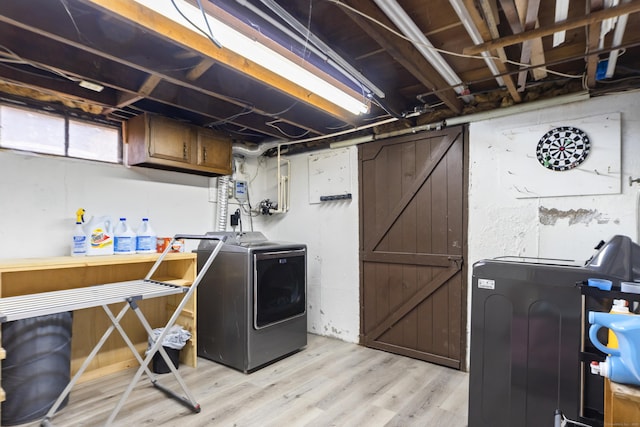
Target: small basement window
(90, 141)
(39, 132)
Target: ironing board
(32, 305)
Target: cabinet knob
(184, 150)
(204, 154)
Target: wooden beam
(196, 72)
(149, 84)
(514, 19)
(523, 16)
(490, 11)
(487, 28)
(569, 24)
(403, 52)
(145, 90)
(190, 39)
(529, 19)
(593, 43)
(64, 91)
(105, 62)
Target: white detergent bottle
(124, 239)
(100, 234)
(145, 238)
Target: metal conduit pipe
(257, 151)
(470, 118)
(223, 202)
(475, 35)
(325, 52)
(352, 74)
(397, 15)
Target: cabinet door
(169, 140)
(214, 152)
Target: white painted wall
(552, 227)
(329, 229)
(39, 196)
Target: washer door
(279, 286)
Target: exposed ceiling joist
(195, 41)
(196, 72)
(528, 12)
(488, 28)
(146, 63)
(593, 42)
(569, 24)
(403, 52)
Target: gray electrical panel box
(240, 191)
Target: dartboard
(563, 148)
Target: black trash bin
(37, 367)
(173, 341)
(160, 366)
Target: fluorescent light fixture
(325, 50)
(258, 53)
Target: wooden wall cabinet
(213, 151)
(160, 142)
(19, 277)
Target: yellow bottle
(619, 306)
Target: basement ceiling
(415, 62)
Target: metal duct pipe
(223, 202)
(257, 151)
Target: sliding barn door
(412, 242)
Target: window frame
(68, 117)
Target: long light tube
(473, 32)
(257, 53)
(338, 64)
(289, 19)
(399, 17)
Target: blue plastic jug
(623, 363)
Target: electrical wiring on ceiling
(206, 34)
(443, 51)
(273, 125)
(12, 57)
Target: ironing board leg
(126, 339)
(157, 346)
(84, 366)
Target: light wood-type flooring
(329, 383)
